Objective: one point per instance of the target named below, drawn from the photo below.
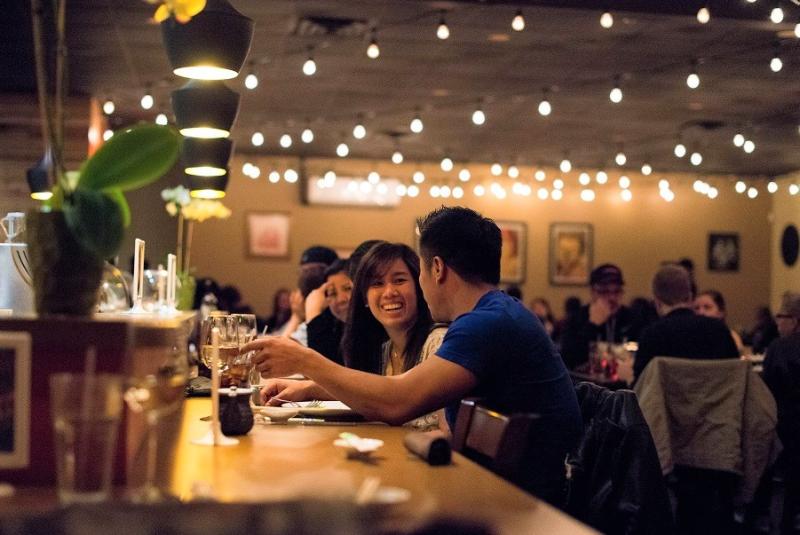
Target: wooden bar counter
(277, 462)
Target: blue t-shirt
(518, 369)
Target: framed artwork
(571, 252)
(723, 252)
(15, 399)
(267, 234)
(512, 254)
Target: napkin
(432, 446)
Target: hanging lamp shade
(39, 178)
(206, 157)
(208, 187)
(205, 109)
(211, 46)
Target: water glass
(86, 411)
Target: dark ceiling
(115, 53)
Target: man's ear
(438, 269)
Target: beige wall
(785, 211)
(637, 235)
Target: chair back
(493, 440)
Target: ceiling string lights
(545, 108)
(518, 22)
(478, 117)
(704, 15)
(373, 51)
(693, 80)
(251, 80)
(310, 66)
(416, 124)
(615, 95)
(606, 20)
(776, 64)
(442, 30)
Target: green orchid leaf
(95, 220)
(132, 158)
(118, 197)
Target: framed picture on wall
(512, 254)
(267, 234)
(723, 252)
(15, 399)
(571, 253)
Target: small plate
(390, 496)
(323, 408)
(365, 448)
(276, 414)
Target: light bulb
(147, 101)
(626, 195)
(667, 195)
(557, 195)
(772, 186)
(738, 140)
(663, 184)
(108, 134)
(698, 185)
(752, 192)
(606, 20)
(445, 191)
(309, 67)
(373, 177)
(330, 178)
(161, 119)
(382, 189)
(413, 190)
(373, 51)
(416, 125)
(274, 177)
(458, 192)
(713, 193)
(539, 175)
(703, 15)
(247, 168)
(286, 141)
(255, 172)
(584, 179)
(646, 169)
(446, 164)
(342, 150)
(513, 171)
(479, 190)
(797, 30)
(696, 158)
(565, 166)
(749, 146)
(680, 150)
(251, 81)
(601, 177)
(478, 117)
(558, 184)
(496, 169)
(108, 107)
(418, 177)
(434, 191)
(257, 139)
(307, 136)
(776, 15)
(587, 195)
(624, 182)
(740, 187)
(693, 80)
(290, 176)
(776, 64)
(794, 189)
(464, 175)
(397, 157)
(545, 108)
(615, 95)
(620, 158)
(518, 22)
(543, 193)
(359, 131)
(442, 31)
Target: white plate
(276, 414)
(325, 408)
(365, 446)
(390, 496)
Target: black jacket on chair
(615, 480)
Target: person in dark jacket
(325, 330)
(680, 332)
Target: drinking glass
(228, 342)
(239, 366)
(155, 388)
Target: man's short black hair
(467, 242)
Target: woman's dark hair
(716, 297)
(363, 334)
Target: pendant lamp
(206, 157)
(205, 109)
(208, 187)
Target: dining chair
(493, 440)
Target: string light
(693, 80)
(418, 177)
(359, 130)
(616, 93)
(646, 169)
(601, 177)
(749, 146)
(696, 158)
(518, 22)
(446, 164)
(442, 31)
(713, 193)
(772, 186)
(565, 165)
(680, 150)
(775, 63)
(544, 106)
(540, 175)
(587, 195)
(626, 195)
(464, 175)
(251, 80)
(373, 51)
(752, 192)
(797, 30)
(584, 179)
(330, 178)
(740, 187)
(285, 141)
(397, 157)
(416, 125)
(558, 184)
(620, 158)
(147, 101)
(307, 136)
(290, 176)
(161, 119)
(703, 15)
(606, 20)
(108, 107)
(557, 195)
(496, 169)
(624, 182)
(413, 190)
(274, 177)
(257, 139)
(310, 66)
(342, 150)
(458, 192)
(478, 117)
(373, 177)
(108, 134)
(543, 194)
(445, 191)
(513, 171)
(479, 190)
(738, 140)
(776, 15)
(794, 189)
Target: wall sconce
(206, 157)
(211, 46)
(205, 109)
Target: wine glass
(156, 385)
(228, 343)
(239, 366)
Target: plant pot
(66, 276)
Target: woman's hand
(286, 390)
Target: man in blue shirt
(494, 349)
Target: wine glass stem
(150, 488)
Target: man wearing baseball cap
(604, 319)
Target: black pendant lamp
(205, 109)
(206, 157)
(39, 178)
(208, 187)
(211, 46)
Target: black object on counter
(432, 446)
